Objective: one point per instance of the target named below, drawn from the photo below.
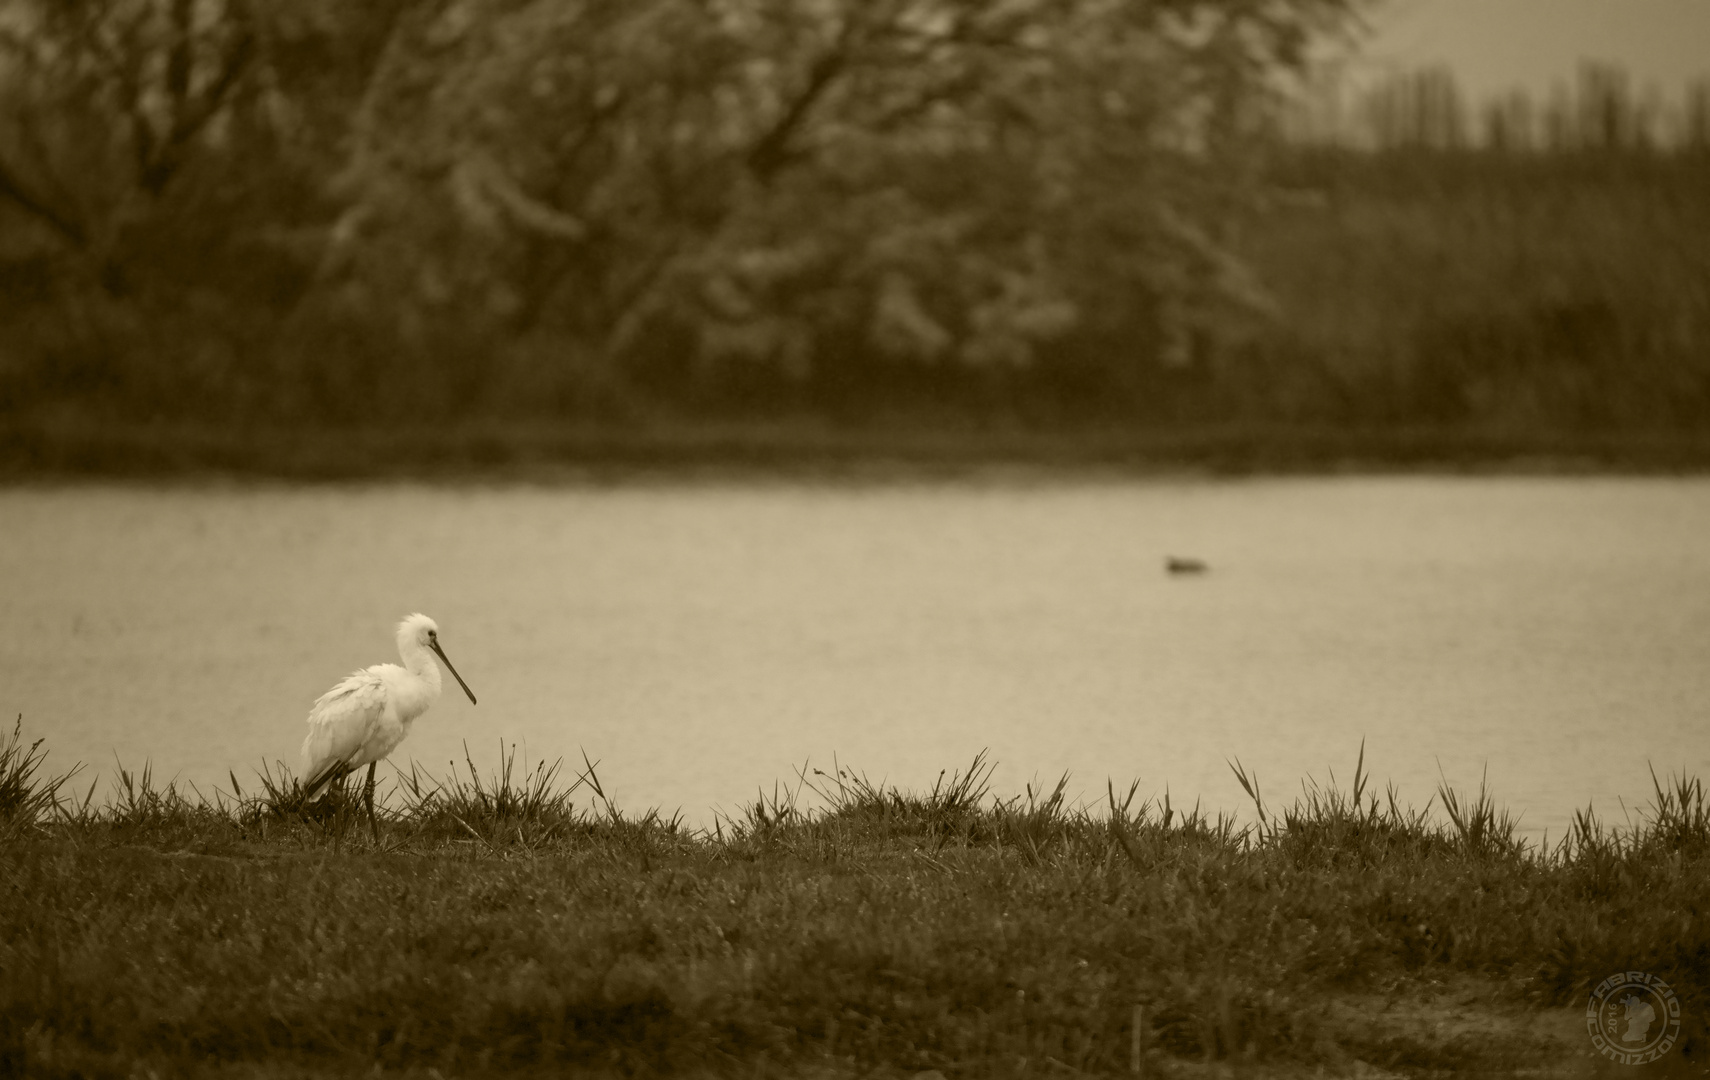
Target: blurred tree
(160, 190)
(105, 100)
(1695, 121)
(792, 197)
(569, 205)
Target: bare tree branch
(773, 152)
(190, 117)
(13, 188)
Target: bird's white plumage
(365, 717)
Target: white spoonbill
(365, 717)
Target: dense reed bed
(520, 922)
(1484, 292)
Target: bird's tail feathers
(335, 770)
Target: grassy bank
(522, 924)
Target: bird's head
(418, 630)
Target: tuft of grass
(529, 806)
(1032, 826)
(27, 795)
(1679, 821)
(1329, 825)
(949, 808)
(1480, 827)
(282, 796)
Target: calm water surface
(704, 640)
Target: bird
(365, 717)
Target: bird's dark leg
(369, 794)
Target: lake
(704, 639)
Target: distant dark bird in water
(1178, 564)
(366, 716)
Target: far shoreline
(582, 454)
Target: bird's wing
(341, 721)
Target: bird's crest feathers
(415, 628)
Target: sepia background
(743, 382)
